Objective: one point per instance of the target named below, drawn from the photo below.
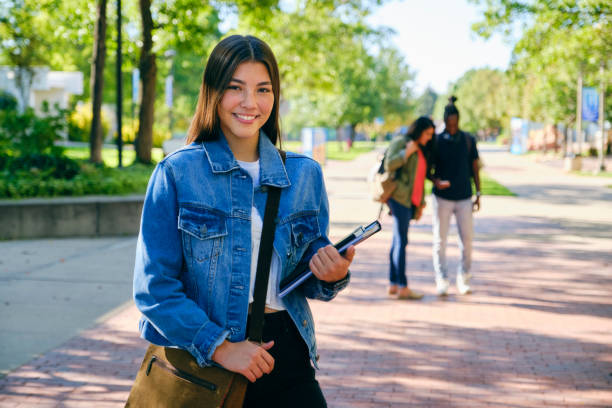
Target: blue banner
(590, 104)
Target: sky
(437, 42)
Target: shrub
(7, 101)
(92, 179)
(26, 133)
(52, 166)
(129, 130)
(79, 123)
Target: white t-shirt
(272, 299)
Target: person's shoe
(442, 286)
(463, 284)
(393, 290)
(408, 294)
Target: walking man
(455, 164)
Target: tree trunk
(148, 72)
(97, 85)
(24, 75)
(352, 134)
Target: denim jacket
(192, 269)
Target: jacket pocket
(203, 232)
(304, 230)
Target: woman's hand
(411, 147)
(328, 265)
(246, 358)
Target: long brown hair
(222, 63)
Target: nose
(248, 99)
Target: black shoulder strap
(264, 260)
(468, 142)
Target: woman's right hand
(411, 147)
(246, 358)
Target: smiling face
(246, 104)
(452, 124)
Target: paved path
(537, 332)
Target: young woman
(201, 225)
(407, 156)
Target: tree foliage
(425, 103)
(559, 40)
(335, 69)
(486, 101)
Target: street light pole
(602, 131)
(170, 89)
(119, 88)
(579, 114)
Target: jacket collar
(272, 170)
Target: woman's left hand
(329, 266)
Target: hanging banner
(519, 131)
(590, 104)
(313, 143)
(169, 81)
(135, 84)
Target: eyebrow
(244, 83)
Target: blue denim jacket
(192, 269)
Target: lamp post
(170, 54)
(119, 88)
(602, 123)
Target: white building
(51, 86)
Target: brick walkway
(537, 331)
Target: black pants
(292, 383)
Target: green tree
(486, 99)
(425, 103)
(345, 75)
(559, 40)
(24, 42)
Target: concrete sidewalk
(537, 332)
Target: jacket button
(203, 229)
(304, 323)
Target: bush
(7, 101)
(79, 123)
(49, 165)
(26, 133)
(92, 179)
(129, 130)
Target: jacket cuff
(331, 288)
(206, 341)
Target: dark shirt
(453, 162)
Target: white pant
(442, 211)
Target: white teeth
(245, 117)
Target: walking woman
(201, 228)
(407, 156)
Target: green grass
(335, 150)
(488, 186)
(491, 187)
(606, 174)
(110, 156)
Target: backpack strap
(264, 260)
